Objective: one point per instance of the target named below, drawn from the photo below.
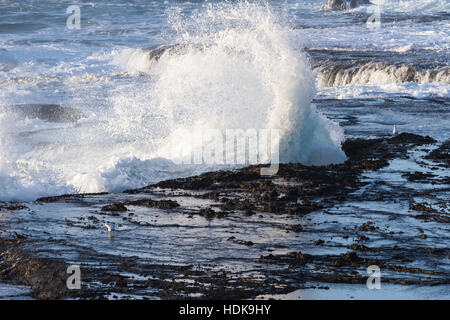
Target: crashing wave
(244, 73)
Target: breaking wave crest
(244, 72)
(378, 73)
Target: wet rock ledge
(237, 234)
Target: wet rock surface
(441, 155)
(236, 234)
(46, 277)
(344, 4)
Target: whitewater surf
(233, 66)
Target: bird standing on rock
(394, 131)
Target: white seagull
(394, 131)
(108, 227)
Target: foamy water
(242, 73)
(237, 66)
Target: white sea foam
(243, 72)
(411, 6)
(433, 35)
(415, 90)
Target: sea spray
(238, 68)
(232, 66)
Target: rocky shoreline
(239, 235)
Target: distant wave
(20, 27)
(332, 74)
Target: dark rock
(115, 207)
(161, 204)
(46, 277)
(296, 228)
(368, 226)
(344, 4)
(47, 112)
(361, 247)
(11, 206)
(335, 5)
(382, 148)
(418, 176)
(362, 238)
(441, 155)
(68, 197)
(319, 242)
(210, 213)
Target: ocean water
(141, 71)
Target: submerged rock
(343, 4)
(46, 277)
(47, 112)
(115, 207)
